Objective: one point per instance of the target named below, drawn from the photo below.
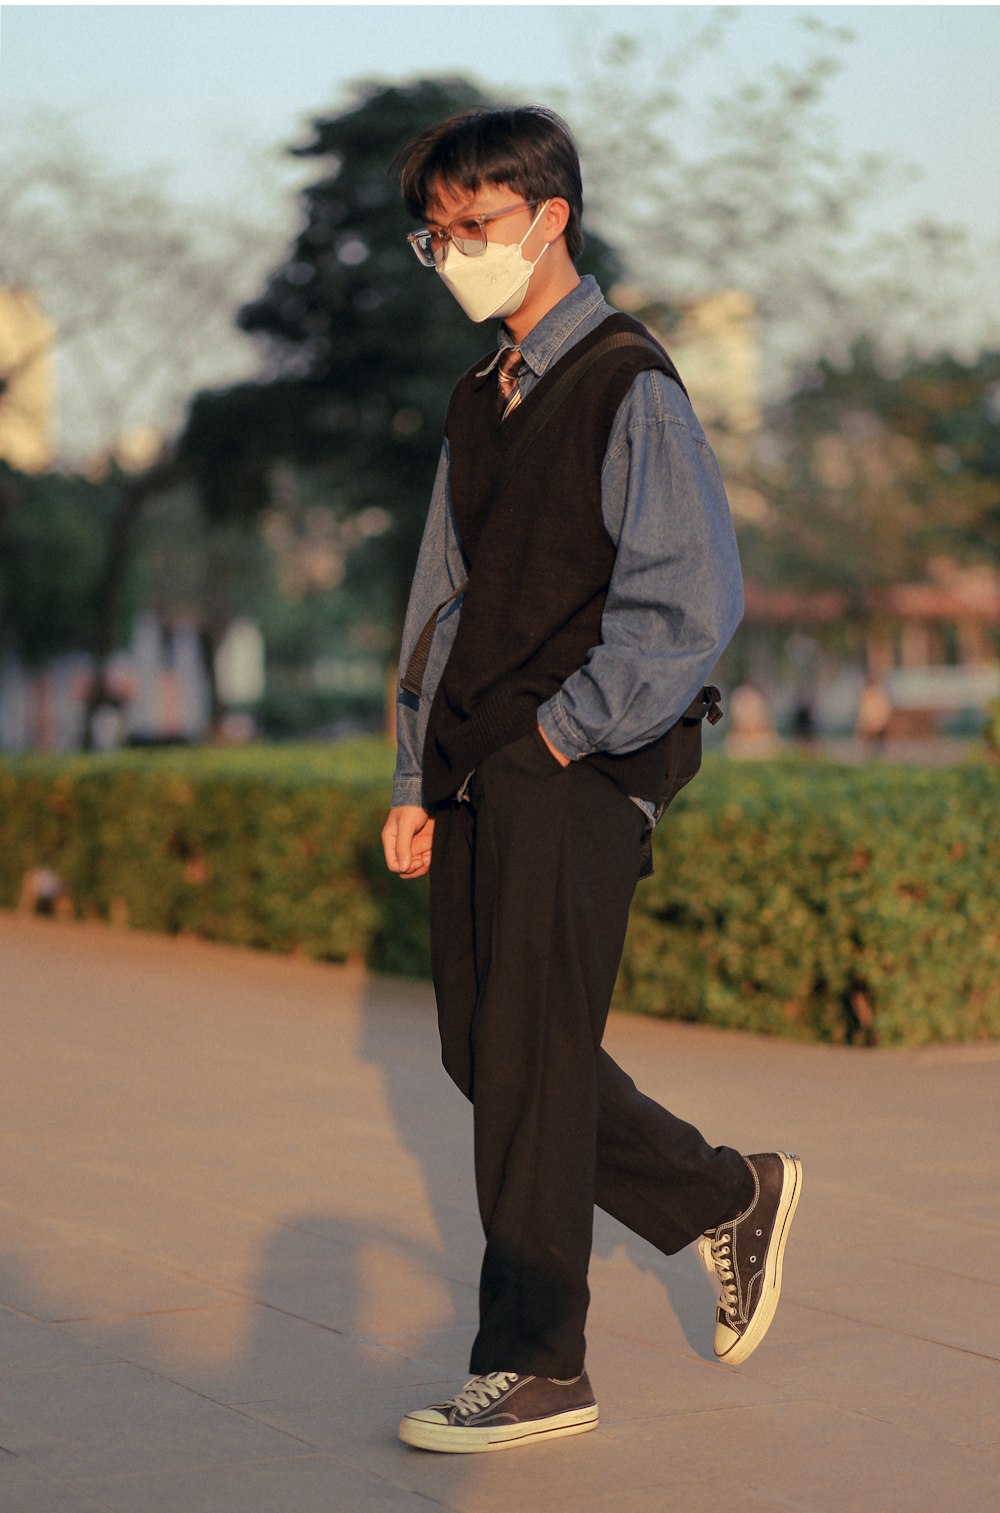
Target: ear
(555, 220)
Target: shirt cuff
(408, 789)
(558, 728)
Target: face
(447, 207)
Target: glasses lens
(422, 243)
(469, 237)
(470, 246)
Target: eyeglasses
(468, 234)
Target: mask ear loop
(520, 246)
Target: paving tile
(247, 1354)
(99, 1420)
(588, 1473)
(281, 1237)
(307, 1484)
(636, 1381)
(356, 1283)
(24, 1230)
(812, 1457)
(68, 1193)
(29, 1345)
(923, 1388)
(25, 1488)
(87, 1280)
(924, 1304)
(444, 1351)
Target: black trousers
(531, 882)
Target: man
(577, 581)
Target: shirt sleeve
(440, 569)
(676, 592)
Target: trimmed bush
(825, 903)
(271, 848)
(795, 897)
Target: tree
(748, 188)
(360, 348)
(141, 288)
(52, 534)
(870, 474)
(142, 292)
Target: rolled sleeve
(675, 596)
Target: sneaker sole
(457, 1440)
(791, 1189)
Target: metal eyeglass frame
(431, 247)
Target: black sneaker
(502, 1409)
(746, 1254)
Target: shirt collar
(544, 342)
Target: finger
(404, 843)
(420, 860)
(389, 844)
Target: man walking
(577, 581)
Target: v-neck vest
(539, 562)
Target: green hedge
(825, 903)
(269, 847)
(796, 898)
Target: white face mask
(492, 285)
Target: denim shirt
(676, 592)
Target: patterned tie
(508, 373)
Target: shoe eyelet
(753, 1260)
(759, 1233)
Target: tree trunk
(111, 589)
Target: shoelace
(716, 1251)
(481, 1391)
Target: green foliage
(52, 547)
(362, 346)
(824, 903)
(714, 172)
(272, 849)
(991, 732)
(794, 898)
(873, 474)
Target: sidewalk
(239, 1240)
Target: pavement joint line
(610, 1421)
(140, 1313)
(904, 1334)
(206, 1397)
(122, 1478)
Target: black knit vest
(539, 562)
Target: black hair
(527, 147)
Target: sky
(205, 100)
(184, 91)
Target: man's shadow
(361, 1304)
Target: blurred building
(27, 382)
(933, 647)
(158, 692)
(714, 343)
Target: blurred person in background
(874, 715)
(577, 581)
(751, 730)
